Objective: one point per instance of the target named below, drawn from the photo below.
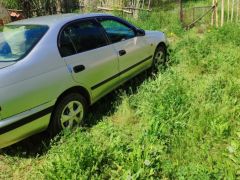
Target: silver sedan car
(53, 68)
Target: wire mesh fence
(190, 15)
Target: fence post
(237, 10)
(213, 13)
(149, 4)
(228, 11)
(216, 9)
(233, 2)
(222, 14)
(143, 2)
(193, 14)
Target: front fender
(155, 38)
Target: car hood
(155, 34)
(152, 32)
(6, 64)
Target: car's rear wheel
(160, 58)
(69, 112)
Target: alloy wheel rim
(72, 114)
(159, 59)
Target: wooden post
(143, 4)
(193, 15)
(222, 14)
(216, 3)
(213, 13)
(149, 4)
(233, 2)
(136, 11)
(228, 11)
(181, 11)
(237, 10)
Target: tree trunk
(27, 7)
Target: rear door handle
(78, 68)
(122, 52)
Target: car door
(133, 51)
(89, 56)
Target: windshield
(16, 41)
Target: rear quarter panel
(37, 79)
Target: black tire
(157, 63)
(60, 110)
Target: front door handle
(78, 68)
(122, 52)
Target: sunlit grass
(181, 124)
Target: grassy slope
(184, 123)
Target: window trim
(91, 19)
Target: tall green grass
(184, 124)
(181, 124)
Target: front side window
(80, 37)
(117, 31)
(17, 40)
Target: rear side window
(117, 31)
(80, 37)
(16, 41)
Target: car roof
(56, 19)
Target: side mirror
(140, 32)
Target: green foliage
(157, 20)
(11, 4)
(182, 124)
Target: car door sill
(120, 73)
(25, 120)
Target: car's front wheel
(160, 58)
(69, 112)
